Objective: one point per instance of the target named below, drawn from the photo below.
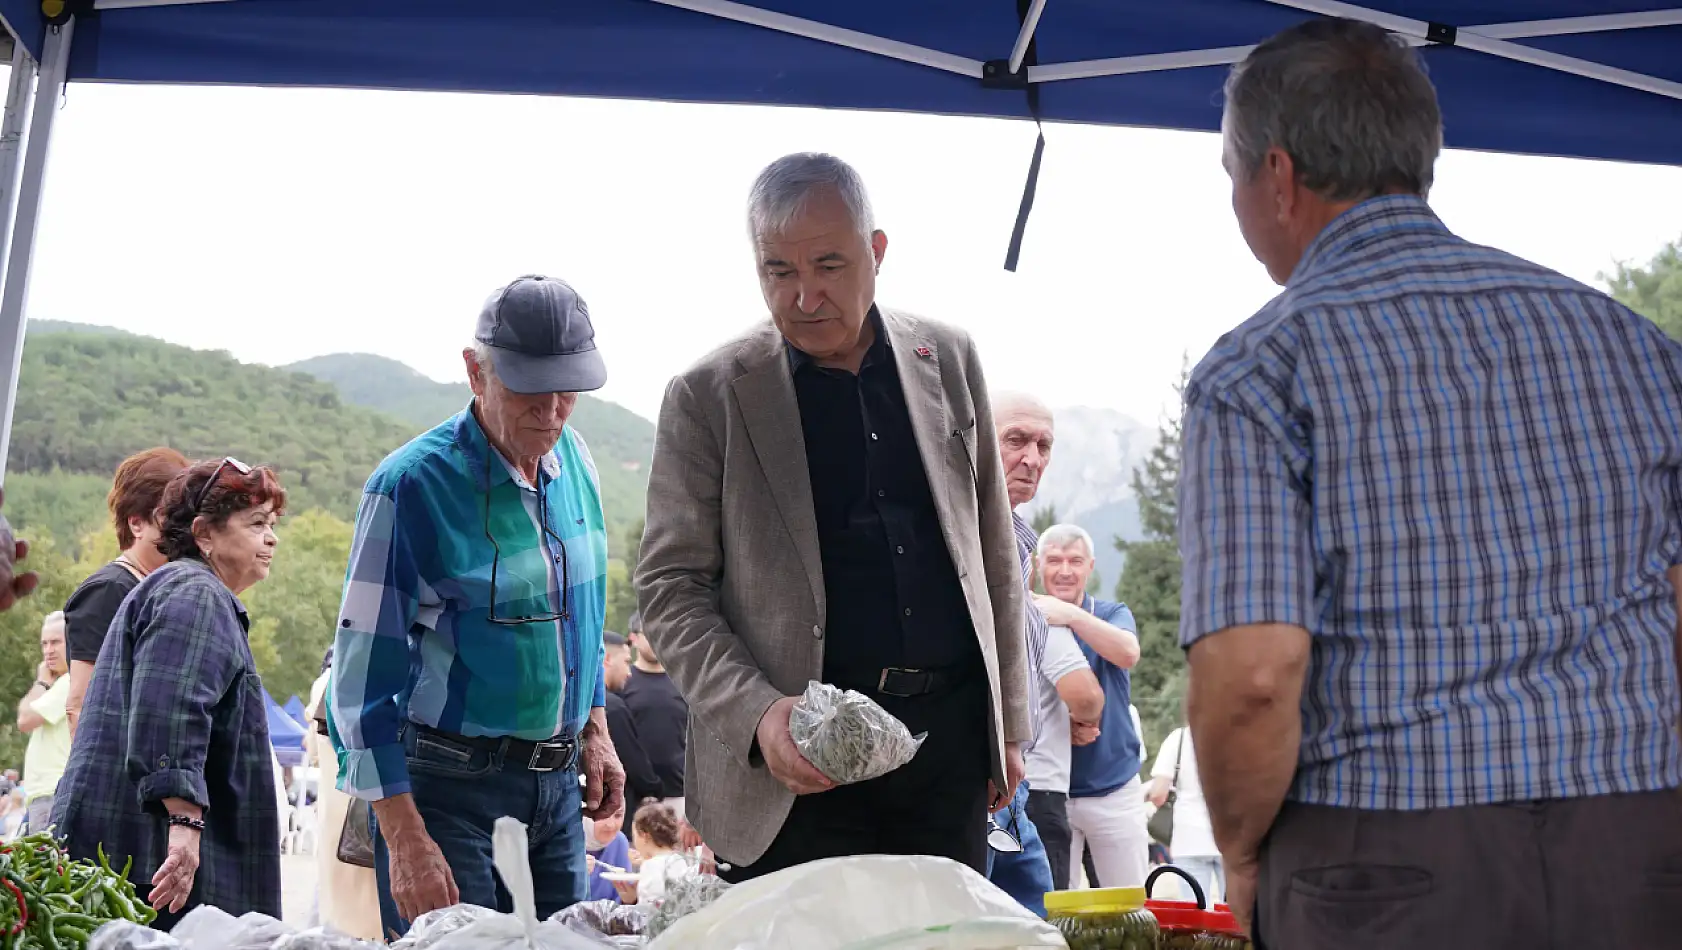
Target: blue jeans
(1025, 875)
(1209, 873)
(460, 793)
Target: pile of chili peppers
(50, 902)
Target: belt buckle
(538, 750)
(890, 673)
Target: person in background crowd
(8, 781)
(660, 714)
(348, 895)
(175, 720)
(656, 837)
(43, 716)
(135, 493)
(767, 563)
(642, 782)
(13, 816)
(468, 677)
(1429, 498)
(1193, 846)
(1106, 800)
(607, 849)
(1059, 680)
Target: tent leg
(19, 94)
(55, 63)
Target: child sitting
(657, 834)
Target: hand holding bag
(1161, 826)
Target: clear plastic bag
(872, 902)
(475, 928)
(849, 737)
(127, 935)
(684, 896)
(210, 928)
(604, 918)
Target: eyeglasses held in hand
(1002, 841)
(227, 462)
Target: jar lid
(1178, 915)
(1108, 900)
(1220, 920)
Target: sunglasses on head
(227, 462)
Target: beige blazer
(730, 579)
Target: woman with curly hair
(175, 720)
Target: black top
(661, 718)
(640, 779)
(894, 598)
(88, 612)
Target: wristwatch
(43, 685)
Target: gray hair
(54, 619)
(482, 356)
(1063, 535)
(1011, 400)
(782, 190)
(1349, 103)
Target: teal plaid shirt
(415, 642)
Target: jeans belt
(548, 755)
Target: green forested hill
(87, 400)
(621, 441)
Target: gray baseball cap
(541, 339)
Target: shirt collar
(1386, 217)
(880, 348)
(470, 436)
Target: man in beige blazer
(827, 503)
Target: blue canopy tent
(285, 734)
(295, 708)
(1587, 78)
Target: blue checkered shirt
(1459, 472)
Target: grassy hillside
(621, 441)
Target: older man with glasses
(467, 678)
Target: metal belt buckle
(563, 746)
(891, 675)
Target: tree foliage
(1150, 582)
(1654, 291)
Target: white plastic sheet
(874, 902)
(209, 928)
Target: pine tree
(1150, 581)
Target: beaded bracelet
(197, 824)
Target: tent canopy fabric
(285, 733)
(295, 708)
(703, 51)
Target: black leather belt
(905, 683)
(549, 755)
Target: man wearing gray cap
(467, 675)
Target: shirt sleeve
(1244, 524)
(186, 660)
(88, 614)
(50, 705)
(371, 653)
(1116, 615)
(1062, 654)
(1168, 756)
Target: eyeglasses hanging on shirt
(496, 557)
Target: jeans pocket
(445, 759)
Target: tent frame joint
(1440, 34)
(997, 74)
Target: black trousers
(935, 805)
(1604, 871)
(1049, 811)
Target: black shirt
(88, 612)
(641, 781)
(661, 717)
(894, 599)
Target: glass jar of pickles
(1106, 919)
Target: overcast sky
(282, 224)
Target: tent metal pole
(1026, 35)
(1226, 56)
(131, 4)
(55, 64)
(1468, 39)
(20, 92)
(812, 29)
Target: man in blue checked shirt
(467, 673)
(1431, 517)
